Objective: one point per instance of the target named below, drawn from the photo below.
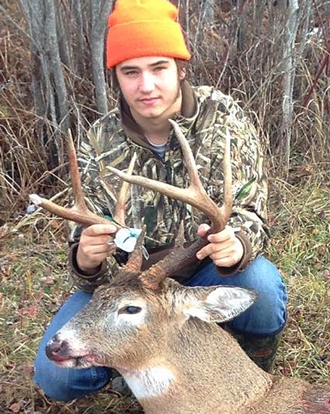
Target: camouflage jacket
(206, 117)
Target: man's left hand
(225, 249)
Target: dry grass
(33, 249)
(33, 285)
(300, 248)
(252, 74)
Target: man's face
(151, 86)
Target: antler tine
(120, 208)
(218, 216)
(134, 262)
(178, 258)
(227, 206)
(78, 195)
(195, 195)
(79, 213)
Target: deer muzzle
(70, 353)
(57, 350)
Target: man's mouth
(149, 101)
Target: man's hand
(225, 249)
(94, 246)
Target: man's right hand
(94, 246)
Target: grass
(300, 248)
(33, 251)
(33, 285)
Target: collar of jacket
(189, 112)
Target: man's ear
(182, 74)
(216, 304)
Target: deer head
(146, 325)
(128, 324)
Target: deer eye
(131, 310)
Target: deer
(167, 340)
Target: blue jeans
(266, 317)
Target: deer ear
(217, 304)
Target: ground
(34, 283)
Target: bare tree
(289, 72)
(251, 50)
(61, 34)
(99, 16)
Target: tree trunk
(289, 72)
(99, 14)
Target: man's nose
(147, 83)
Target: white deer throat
(149, 383)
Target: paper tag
(126, 239)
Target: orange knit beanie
(140, 28)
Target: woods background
(272, 56)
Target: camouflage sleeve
(97, 202)
(83, 282)
(249, 213)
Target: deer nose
(57, 349)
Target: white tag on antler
(126, 239)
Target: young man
(146, 51)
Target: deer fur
(164, 338)
(174, 355)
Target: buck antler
(196, 196)
(79, 212)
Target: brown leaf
(30, 311)
(5, 270)
(15, 408)
(48, 281)
(4, 231)
(326, 274)
(28, 369)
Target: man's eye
(159, 68)
(131, 73)
(131, 310)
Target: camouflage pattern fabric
(114, 139)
